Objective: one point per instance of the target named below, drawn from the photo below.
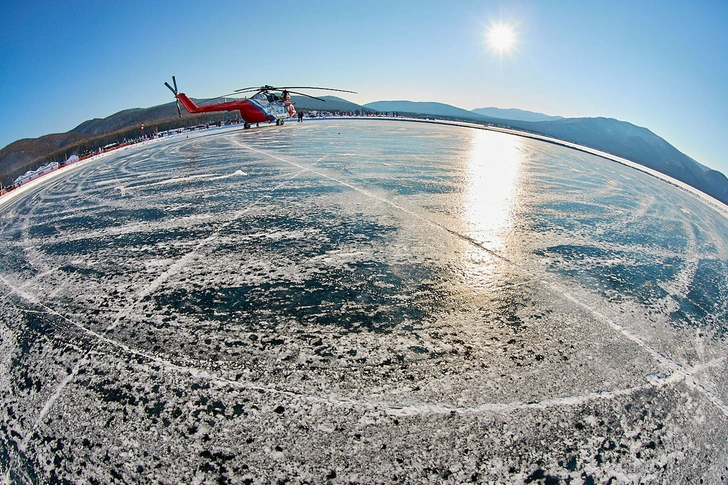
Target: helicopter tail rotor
(175, 92)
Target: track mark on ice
(679, 286)
(52, 400)
(178, 265)
(653, 382)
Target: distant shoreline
(707, 199)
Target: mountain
(515, 114)
(127, 118)
(440, 109)
(424, 108)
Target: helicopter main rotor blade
(313, 87)
(307, 95)
(281, 88)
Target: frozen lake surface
(362, 302)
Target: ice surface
(361, 302)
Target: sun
(501, 38)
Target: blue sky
(658, 64)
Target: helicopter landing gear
(246, 126)
(279, 122)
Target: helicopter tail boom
(189, 105)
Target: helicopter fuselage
(260, 108)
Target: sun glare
(501, 38)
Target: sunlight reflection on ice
(489, 199)
(492, 186)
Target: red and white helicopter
(266, 105)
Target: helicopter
(268, 104)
